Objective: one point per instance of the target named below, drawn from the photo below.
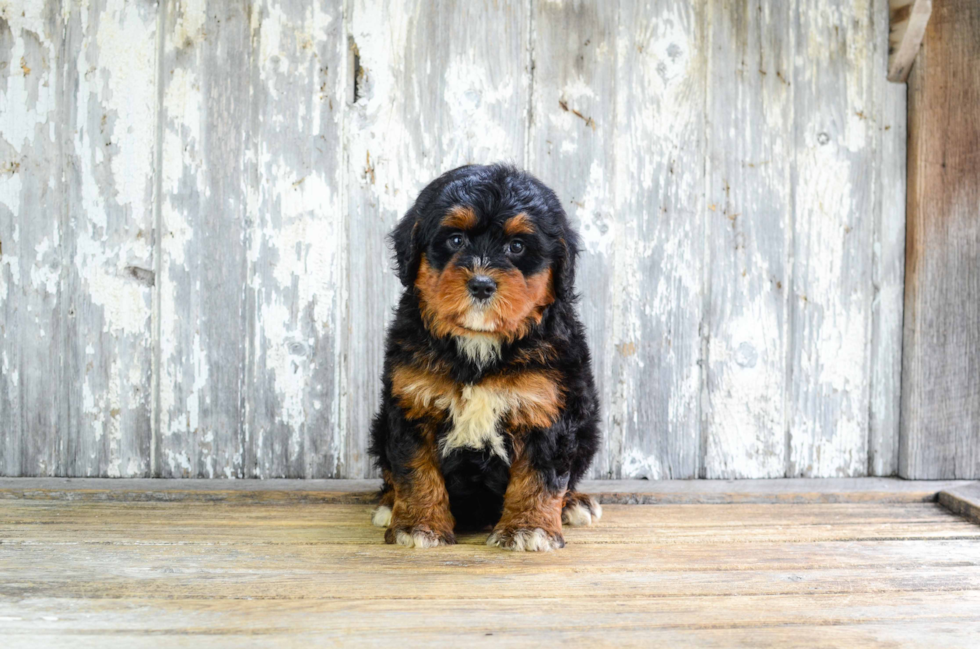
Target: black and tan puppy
(489, 413)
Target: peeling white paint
(198, 358)
(46, 271)
(179, 464)
(749, 396)
(123, 41)
(596, 227)
(637, 466)
(189, 24)
(125, 302)
(473, 102)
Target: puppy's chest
(475, 419)
(480, 415)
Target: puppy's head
(487, 250)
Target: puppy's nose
(481, 287)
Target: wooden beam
(908, 21)
(940, 418)
(963, 500)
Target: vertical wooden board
(33, 227)
(111, 100)
(435, 85)
(657, 268)
(941, 356)
(297, 242)
(830, 303)
(571, 148)
(888, 257)
(749, 237)
(202, 272)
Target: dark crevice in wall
(357, 72)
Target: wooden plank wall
(941, 390)
(194, 196)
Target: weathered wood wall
(194, 195)
(941, 383)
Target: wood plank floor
(240, 574)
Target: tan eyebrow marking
(460, 217)
(520, 224)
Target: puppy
(489, 413)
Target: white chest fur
(475, 417)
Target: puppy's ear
(407, 238)
(565, 255)
(404, 239)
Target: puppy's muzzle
(481, 287)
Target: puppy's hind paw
(381, 516)
(581, 510)
(526, 540)
(420, 536)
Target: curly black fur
(476, 480)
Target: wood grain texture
(831, 289)
(207, 293)
(748, 239)
(801, 351)
(203, 266)
(77, 275)
(109, 171)
(659, 180)
(34, 258)
(888, 270)
(207, 525)
(902, 630)
(941, 357)
(138, 574)
(296, 307)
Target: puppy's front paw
(418, 536)
(526, 539)
(580, 510)
(381, 516)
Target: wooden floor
(82, 573)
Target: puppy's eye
(515, 247)
(456, 241)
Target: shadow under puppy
(489, 413)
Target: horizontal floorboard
(168, 558)
(348, 525)
(796, 490)
(413, 615)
